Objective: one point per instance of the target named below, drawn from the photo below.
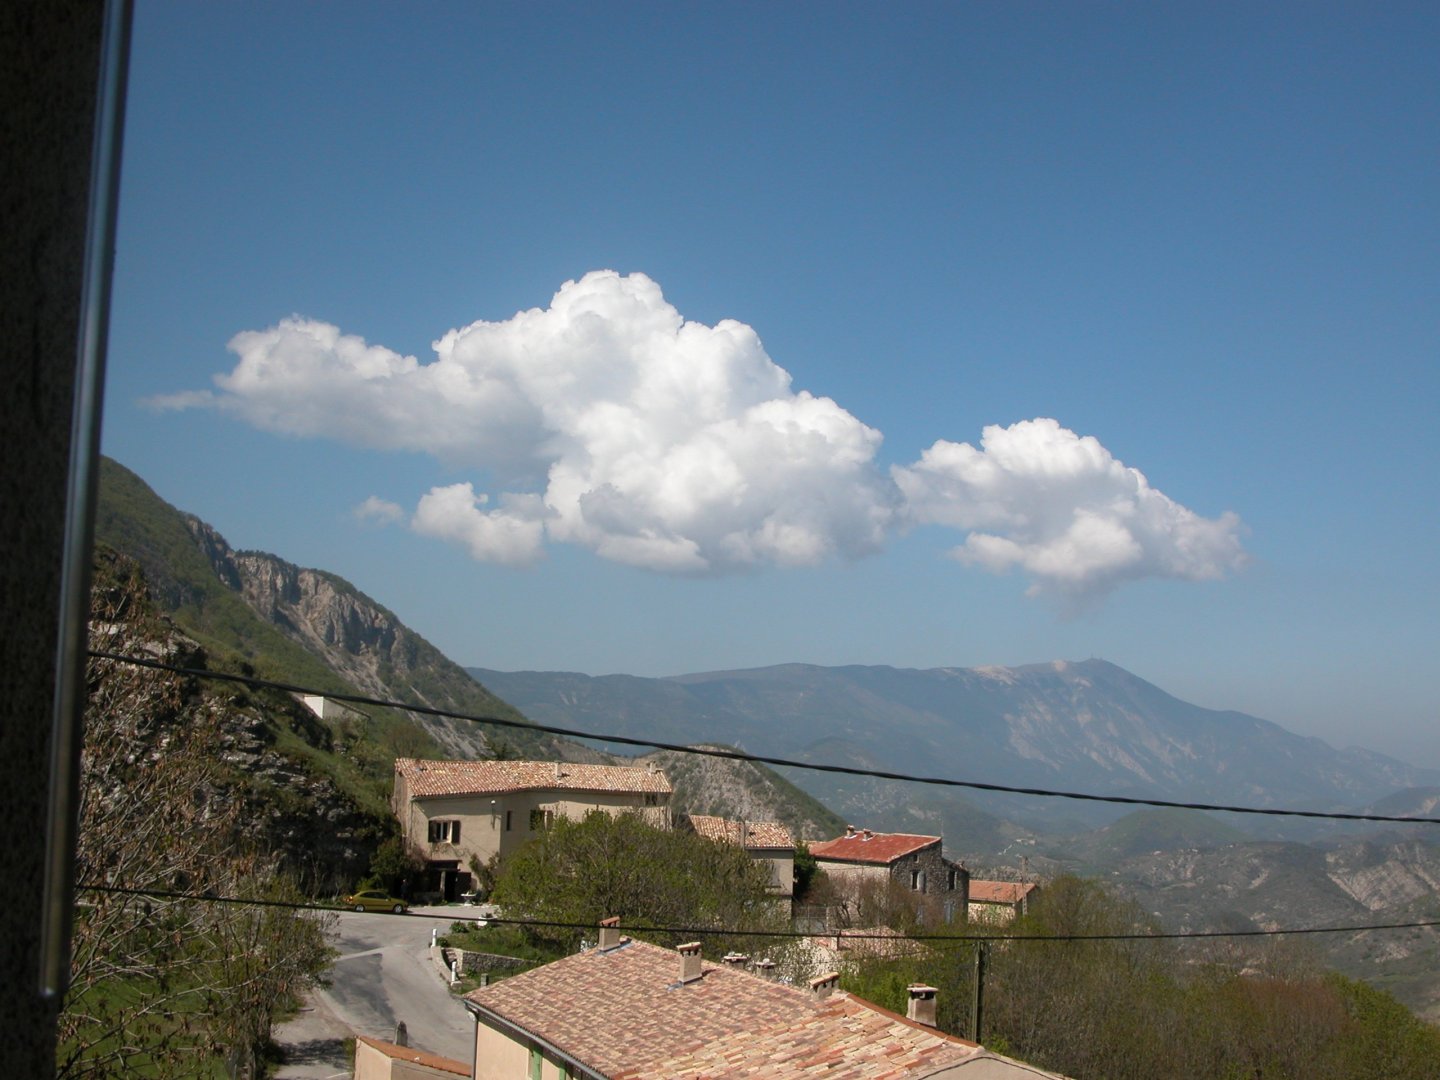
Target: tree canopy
(579, 872)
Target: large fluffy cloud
(609, 421)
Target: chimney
(866, 834)
(559, 772)
(824, 985)
(735, 959)
(610, 933)
(689, 962)
(765, 968)
(849, 831)
(922, 1004)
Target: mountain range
(1086, 726)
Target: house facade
(1000, 902)
(912, 861)
(628, 1010)
(455, 814)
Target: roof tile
(1000, 892)
(623, 1013)
(756, 834)
(429, 779)
(871, 847)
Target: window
(541, 819)
(444, 832)
(954, 879)
(507, 819)
(917, 880)
(652, 799)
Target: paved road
(383, 974)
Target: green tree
(806, 871)
(579, 872)
(393, 865)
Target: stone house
(914, 862)
(458, 813)
(1000, 902)
(629, 1010)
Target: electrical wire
(711, 931)
(762, 759)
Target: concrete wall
(500, 1057)
(852, 875)
(782, 870)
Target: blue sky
(1202, 241)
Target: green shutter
(536, 1062)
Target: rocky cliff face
(1361, 882)
(745, 791)
(358, 639)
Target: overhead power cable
(741, 755)
(712, 931)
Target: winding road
(382, 975)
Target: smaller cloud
(512, 535)
(1058, 506)
(378, 511)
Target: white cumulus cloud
(513, 535)
(1037, 496)
(609, 421)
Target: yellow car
(375, 900)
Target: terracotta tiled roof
(625, 1014)
(756, 834)
(871, 847)
(840, 1037)
(417, 1057)
(1000, 892)
(431, 778)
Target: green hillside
(133, 520)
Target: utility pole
(982, 950)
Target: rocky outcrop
(362, 642)
(1375, 881)
(300, 817)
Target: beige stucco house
(627, 1010)
(456, 812)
